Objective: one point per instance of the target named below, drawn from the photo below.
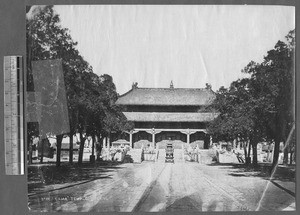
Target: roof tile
(169, 117)
(167, 96)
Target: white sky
(191, 45)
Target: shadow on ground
(190, 204)
(42, 175)
(281, 174)
(262, 170)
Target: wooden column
(153, 139)
(188, 138)
(153, 131)
(188, 133)
(131, 136)
(130, 139)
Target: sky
(190, 45)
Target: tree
(46, 40)
(90, 98)
(237, 119)
(260, 108)
(49, 83)
(274, 84)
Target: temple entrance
(175, 137)
(200, 139)
(141, 138)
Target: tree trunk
(285, 155)
(71, 148)
(248, 158)
(92, 156)
(253, 143)
(289, 145)
(276, 153)
(254, 151)
(245, 149)
(249, 148)
(93, 145)
(81, 147)
(42, 150)
(110, 141)
(58, 149)
(99, 147)
(30, 150)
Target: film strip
(14, 115)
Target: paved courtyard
(170, 187)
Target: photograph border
(13, 189)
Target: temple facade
(160, 114)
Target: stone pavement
(183, 186)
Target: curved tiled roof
(169, 117)
(167, 96)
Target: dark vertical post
(30, 149)
(81, 147)
(109, 141)
(92, 156)
(41, 142)
(58, 149)
(71, 148)
(206, 141)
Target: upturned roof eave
(152, 104)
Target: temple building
(160, 114)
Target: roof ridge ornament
(171, 85)
(134, 85)
(208, 86)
